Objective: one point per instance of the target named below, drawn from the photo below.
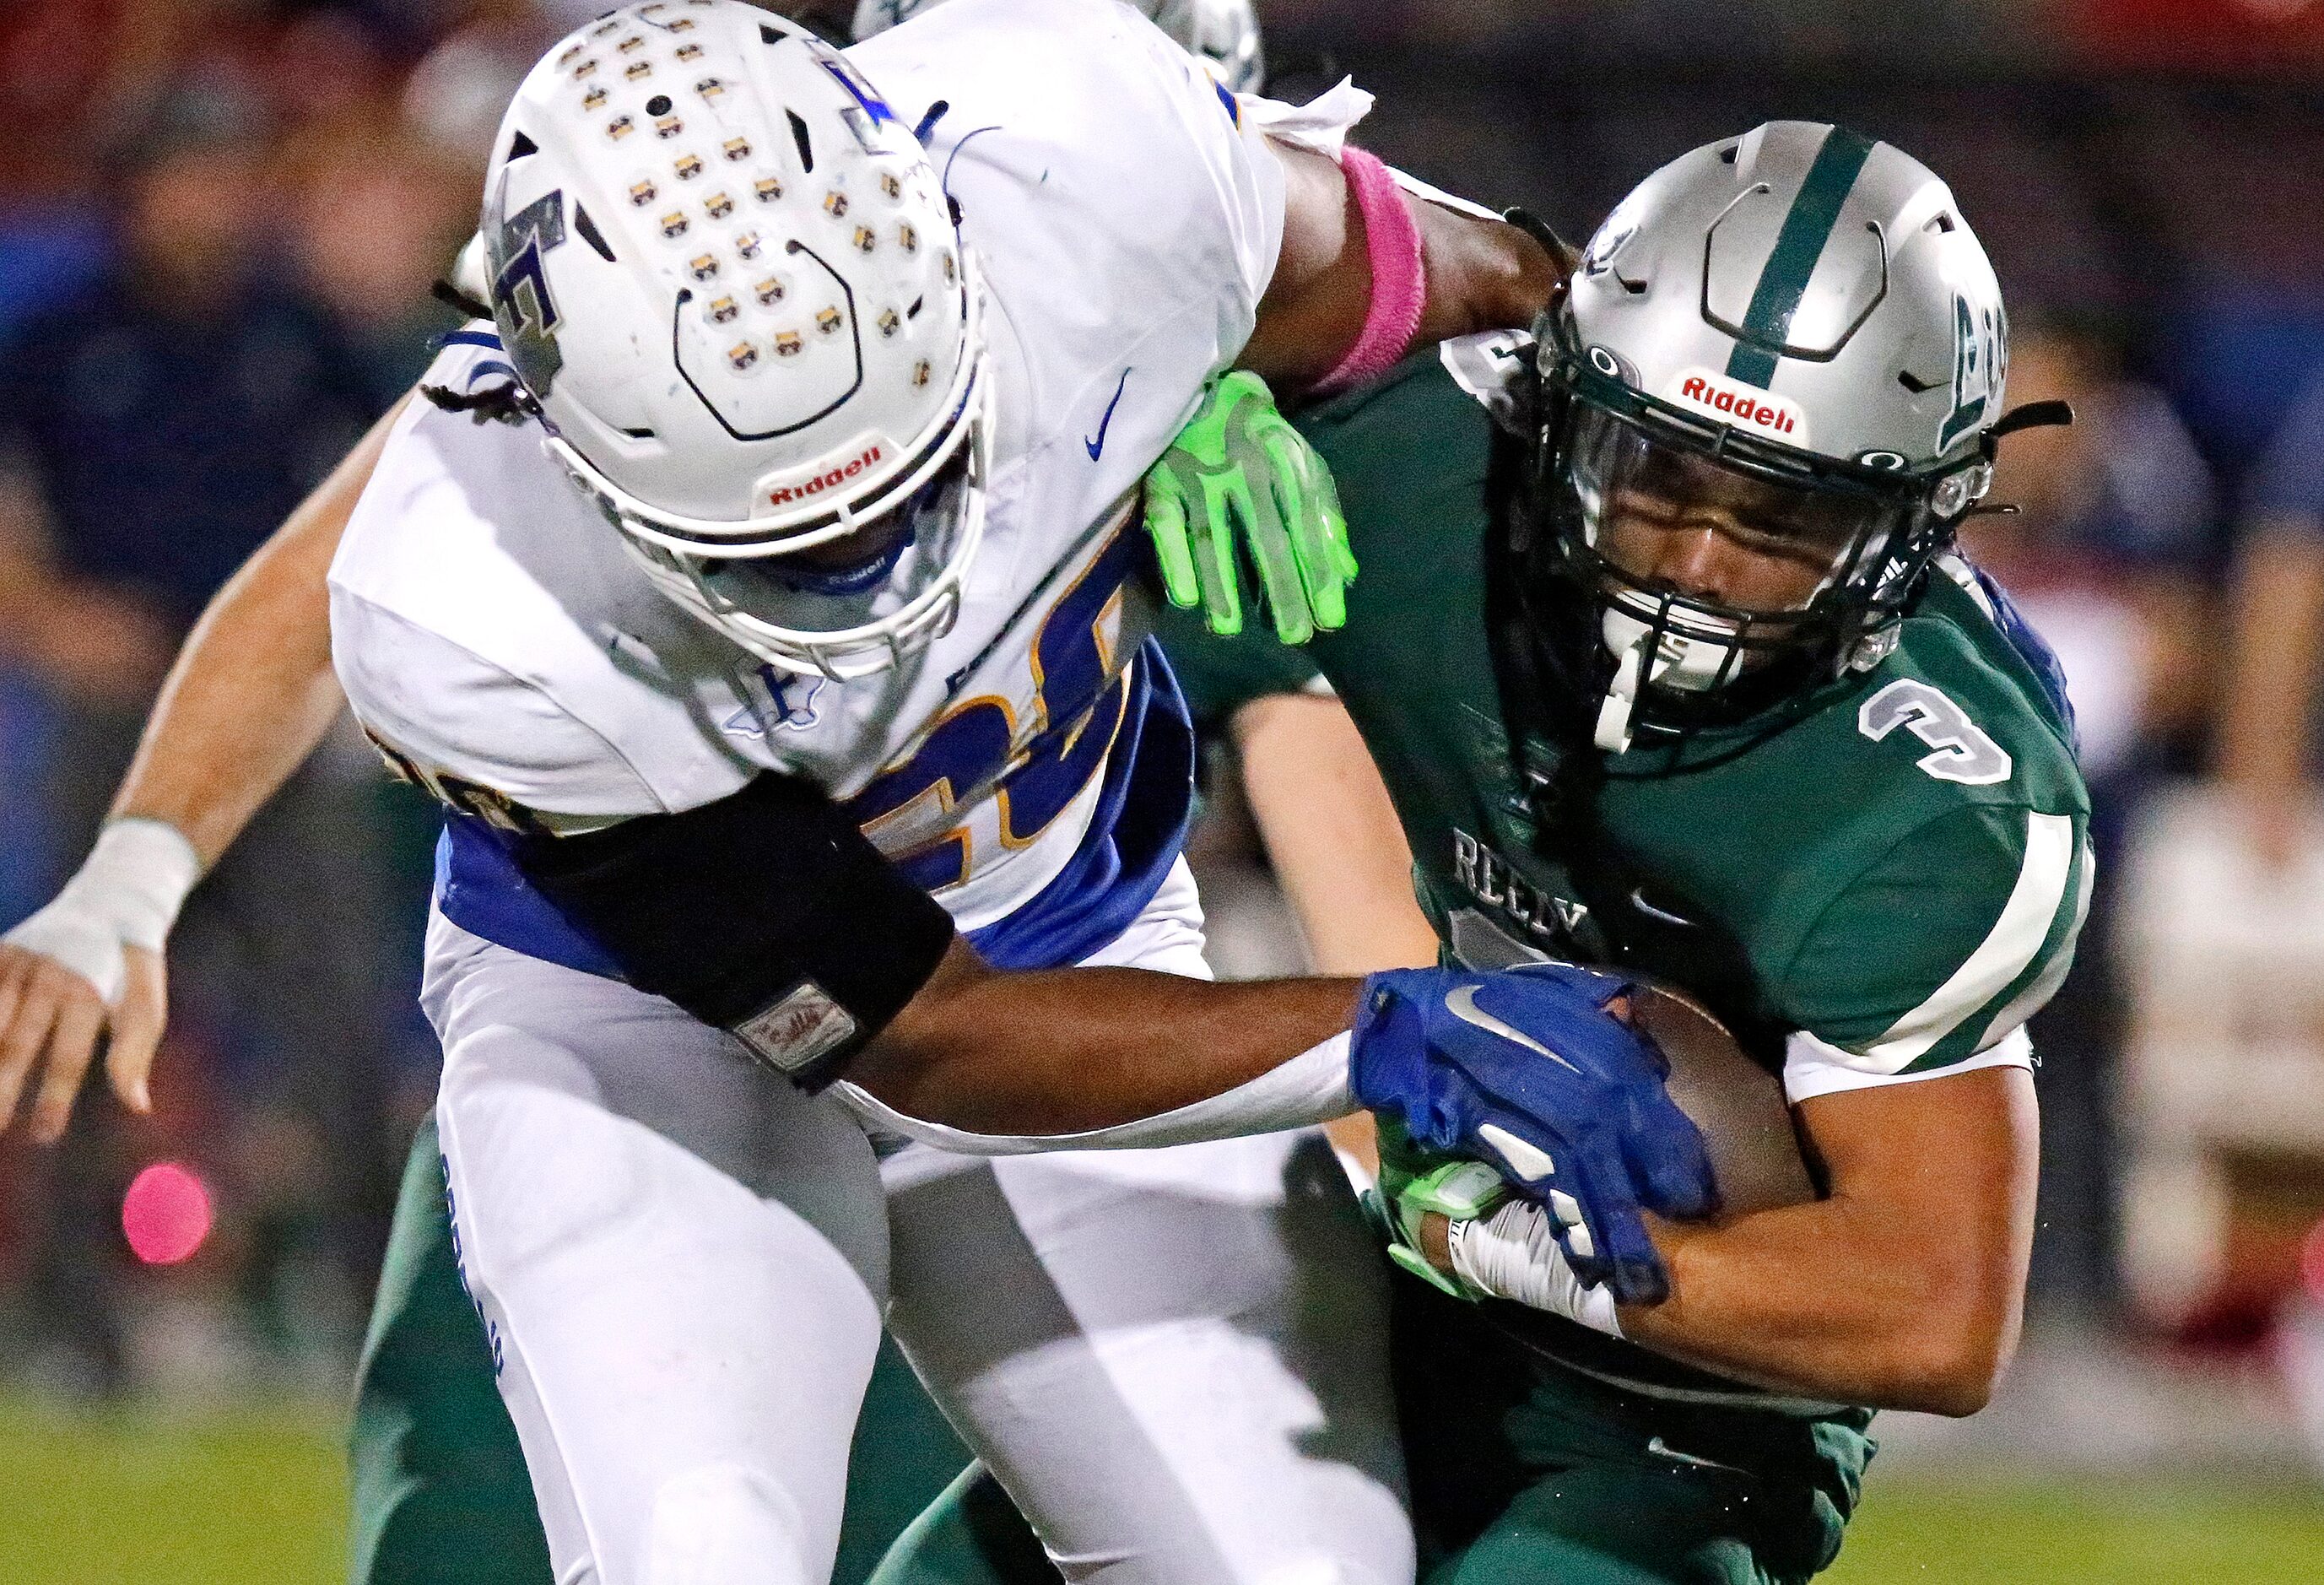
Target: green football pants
(972, 1534)
(1527, 1473)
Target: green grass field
(253, 1497)
(2132, 1531)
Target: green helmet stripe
(1783, 279)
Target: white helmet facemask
(728, 277)
(842, 620)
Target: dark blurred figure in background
(374, 212)
(156, 422)
(2108, 550)
(2107, 556)
(457, 93)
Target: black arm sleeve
(767, 913)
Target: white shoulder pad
(1490, 366)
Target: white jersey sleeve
(1127, 210)
(470, 731)
(492, 637)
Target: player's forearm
(1481, 274)
(253, 691)
(1902, 1288)
(1071, 1050)
(1841, 1301)
(1475, 274)
(1331, 834)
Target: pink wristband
(1400, 281)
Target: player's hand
(1527, 1069)
(88, 964)
(51, 1019)
(1459, 1226)
(1239, 475)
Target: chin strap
(1613, 734)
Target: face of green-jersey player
(1744, 554)
(1684, 522)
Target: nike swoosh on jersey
(1663, 1450)
(1461, 1003)
(1095, 444)
(1638, 901)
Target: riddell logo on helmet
(829, 479)
(1747, 407)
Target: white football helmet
(1221, 33)
(728, 277)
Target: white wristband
(127, 894)
(1514, 1254)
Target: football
(1737, 1104)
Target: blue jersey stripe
(1134, 836)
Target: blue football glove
(1526, 1068)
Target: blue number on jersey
(1078, 697)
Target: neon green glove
(1243, 470)
(1500, 1247)
(1459, 1191)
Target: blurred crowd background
(219, 221)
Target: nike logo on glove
(1528, 1161)
(1095, 444)
(1461, 1003)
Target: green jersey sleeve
(1936, 955)
(1219, 675)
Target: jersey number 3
(1961, 750)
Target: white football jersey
(494, 638)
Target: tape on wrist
(1514, 1254)
(126, 894)
(145, 867)
(1399, 275)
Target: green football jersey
(1889, 883)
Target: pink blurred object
(166, 1214)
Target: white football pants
(1174, 1359)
